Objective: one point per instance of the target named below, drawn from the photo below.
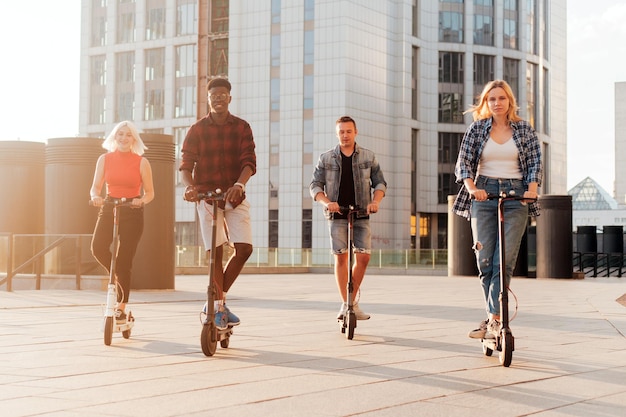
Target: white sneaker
(360, 315)
(493, 329)
(342, 311)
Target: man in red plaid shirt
(219, 153)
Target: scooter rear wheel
(208, 339)
(108, 330)
(225, 342)
(487, 351)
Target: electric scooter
(210, 334)
(348, 324)
(110, 322)
(504, 342)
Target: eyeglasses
(215, 97)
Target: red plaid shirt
(216, 154)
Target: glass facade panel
(510, 24)
(483, 22)
(125, 86)
(448, 151)
(155, 19)
(98, 23)
(186, 17)
(484, 71)
(126, 24)
(511, 74)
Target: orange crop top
(122, 174)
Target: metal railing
(39, 255)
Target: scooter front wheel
(108, 330)
(506, 354)
(208, 339)
(351, 325)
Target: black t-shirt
(346, 187)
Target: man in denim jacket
(344, 176)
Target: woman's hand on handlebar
(97, 201)
(531, 195)
(478, 194)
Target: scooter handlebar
(510, 196)
(117, 202)
(216, 195)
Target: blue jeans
(485, 233)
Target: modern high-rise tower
(406, 70)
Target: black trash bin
(461, 256)
(554, 237)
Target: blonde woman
(127, 174)
(499, 152)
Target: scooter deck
(127, 325)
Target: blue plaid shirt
(472, 146)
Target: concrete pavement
(288, 357)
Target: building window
(276, 5)
(179, 136)
(155, 19)
(546, 101)
(125, 86)
(450, 87)
(186, 61)
(154, 105)
(185, 72)
(219, 57)
(98, 80)
(415, 19)
(415, 84)
(126, 22)
(511, 74)
(185, 101)
(272, 229)
(531, 27)
(483, 22)
(448, 152)
(546, 33)
(98, 23)
(451, 68)
(155, 64)
(484, 72)
(451, 21)
(308, 92)
(186, 17)
(219, 16)
(531, 94)
(307, 228)
(510, 24)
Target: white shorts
(233, 224)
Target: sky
(39, 92)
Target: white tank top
(500, 160)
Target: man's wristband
(242, 185)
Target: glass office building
(406, 70)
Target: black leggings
(130, 230)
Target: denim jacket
(367, 174)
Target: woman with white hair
(127, 174)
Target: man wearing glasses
(219, 153)
(348, 175)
